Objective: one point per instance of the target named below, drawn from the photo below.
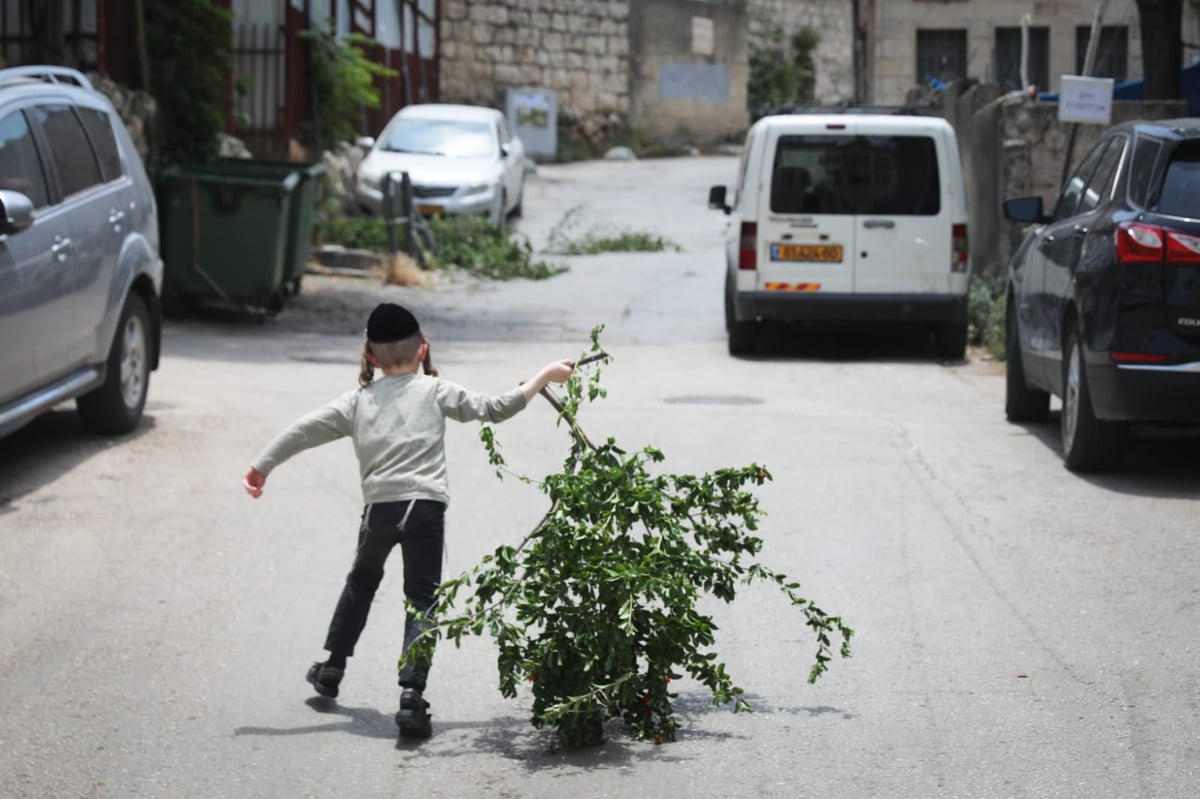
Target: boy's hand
(559, 371)
(253, 482)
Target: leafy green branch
(596, 607)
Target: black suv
(1104, 295)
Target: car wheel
(952, 341)
(1088, 443)
(1021, 403)
(116, 406)
(742, 335)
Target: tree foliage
(190, 47)
(344, 82)
(595, 611)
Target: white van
(848, 217)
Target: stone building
(908, 43)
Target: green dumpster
(304, 206)
(225, 236)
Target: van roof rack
(909, 110)
(45, 74)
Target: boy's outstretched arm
(553, 372)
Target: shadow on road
(841, 342)
(514, 738)
(1158, 461)
(49, 447)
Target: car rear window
(1180, 192)
(100, 131)
(892, 175)
(1145, 153)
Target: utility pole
(1089, 64)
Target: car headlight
(477, 188)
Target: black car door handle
(1080, 231)
(1046, 243)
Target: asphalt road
(1022, 631)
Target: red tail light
(1182, 248)
(1139, 357)
(1144, 244)
(1139, 244)
(748, 246)
(960, 250)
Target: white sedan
(461, 159)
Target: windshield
(455, 138)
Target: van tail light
(748, 246)
(960, 250)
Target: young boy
(398, 426)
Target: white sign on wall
(1086, 100)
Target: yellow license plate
(431, 210)
(822, 253)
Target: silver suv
(80, 272)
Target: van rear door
(806, 237)
(904, 230)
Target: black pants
(418, 526)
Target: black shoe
(413, 717)
(325, 679)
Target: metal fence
(260, 70)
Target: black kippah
(390, 322)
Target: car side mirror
(365, 142)
(16, 211)
(1025, 209)
(716, 199)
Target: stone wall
(834, 55)
(675, 68)
(689, 69)
(578, 49)
(1015, 146)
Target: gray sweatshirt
(398, 425)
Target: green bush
(985, 313)
(469, 243)
(772, 77)
(356, 232)
(189, 46)
(475, 245)
(603, 608)
(567, 238)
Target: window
(20, 167)
(100, 131)
(1141, 171)
(1068, 201)
(1099, 188)
(1181, 183)
(941, 56)
(1008, 58)
(1112, 53)
(895, 175)
(69, 146)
